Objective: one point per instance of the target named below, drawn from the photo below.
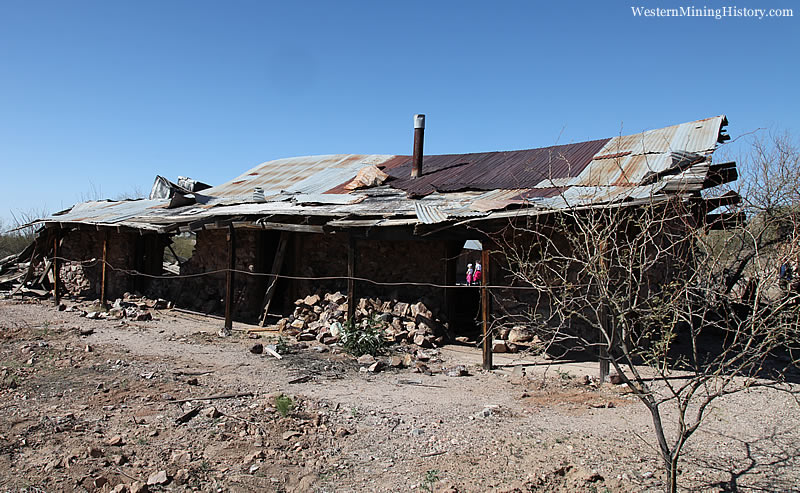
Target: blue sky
(104, 95)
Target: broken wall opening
(465, 311)
(179, 250)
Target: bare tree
(18, 235)
(684, 311)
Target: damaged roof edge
(455, 187)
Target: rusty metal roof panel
(698, 136)
(281, 174)
(627, 168)
(493, 170)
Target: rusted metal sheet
(281, 174)
(633, 169)
(698, 136)
(493, 170)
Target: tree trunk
(671, 485)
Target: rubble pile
(320, 318)
(516, 338)
(131, 307)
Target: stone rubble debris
(321, 318)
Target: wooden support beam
(604, 364)
(103, 278)
(277, 264)
(296, 228)
(229, 278)
(488, 336)
(351, 282)
(56, 275)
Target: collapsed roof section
(324, 193)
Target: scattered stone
(615, 379)
(115, 441)
(288, 435)
(499, 346)
(257, 349)
(158, 478)
(457, 371)
(120, 488)
(181, 476)
(422, 341)
(180, 457)
(375, 367)
(594, 477)
(139, 487)
(211, 412)
(396, 362)
(366, 359)
(144, 316)
(311, 300)
(95, 452)
(519, 375)
(192, 381)
(93, 315)
(88, 349)
(99, 482)
(118, 459)
(519, 334)
(341, 432)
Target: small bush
(284, 404)
(364, 338)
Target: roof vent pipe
(419, 136)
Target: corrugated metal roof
(493, 170)
(281, 174)
(453, 187)
(429, 214)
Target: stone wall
(414, 261)
(207, 293)
(81, 274)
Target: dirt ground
(94, 405)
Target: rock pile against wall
(316, 317)
(414, 262)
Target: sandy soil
(91, 405)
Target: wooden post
(277, 263)
(56, 275)
(487, 331)
(351, 282)
(103, 278)
(604, 364)
(229, 280)
(451, 250)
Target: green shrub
(363, 338)
(284, 404)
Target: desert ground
(168, 405)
